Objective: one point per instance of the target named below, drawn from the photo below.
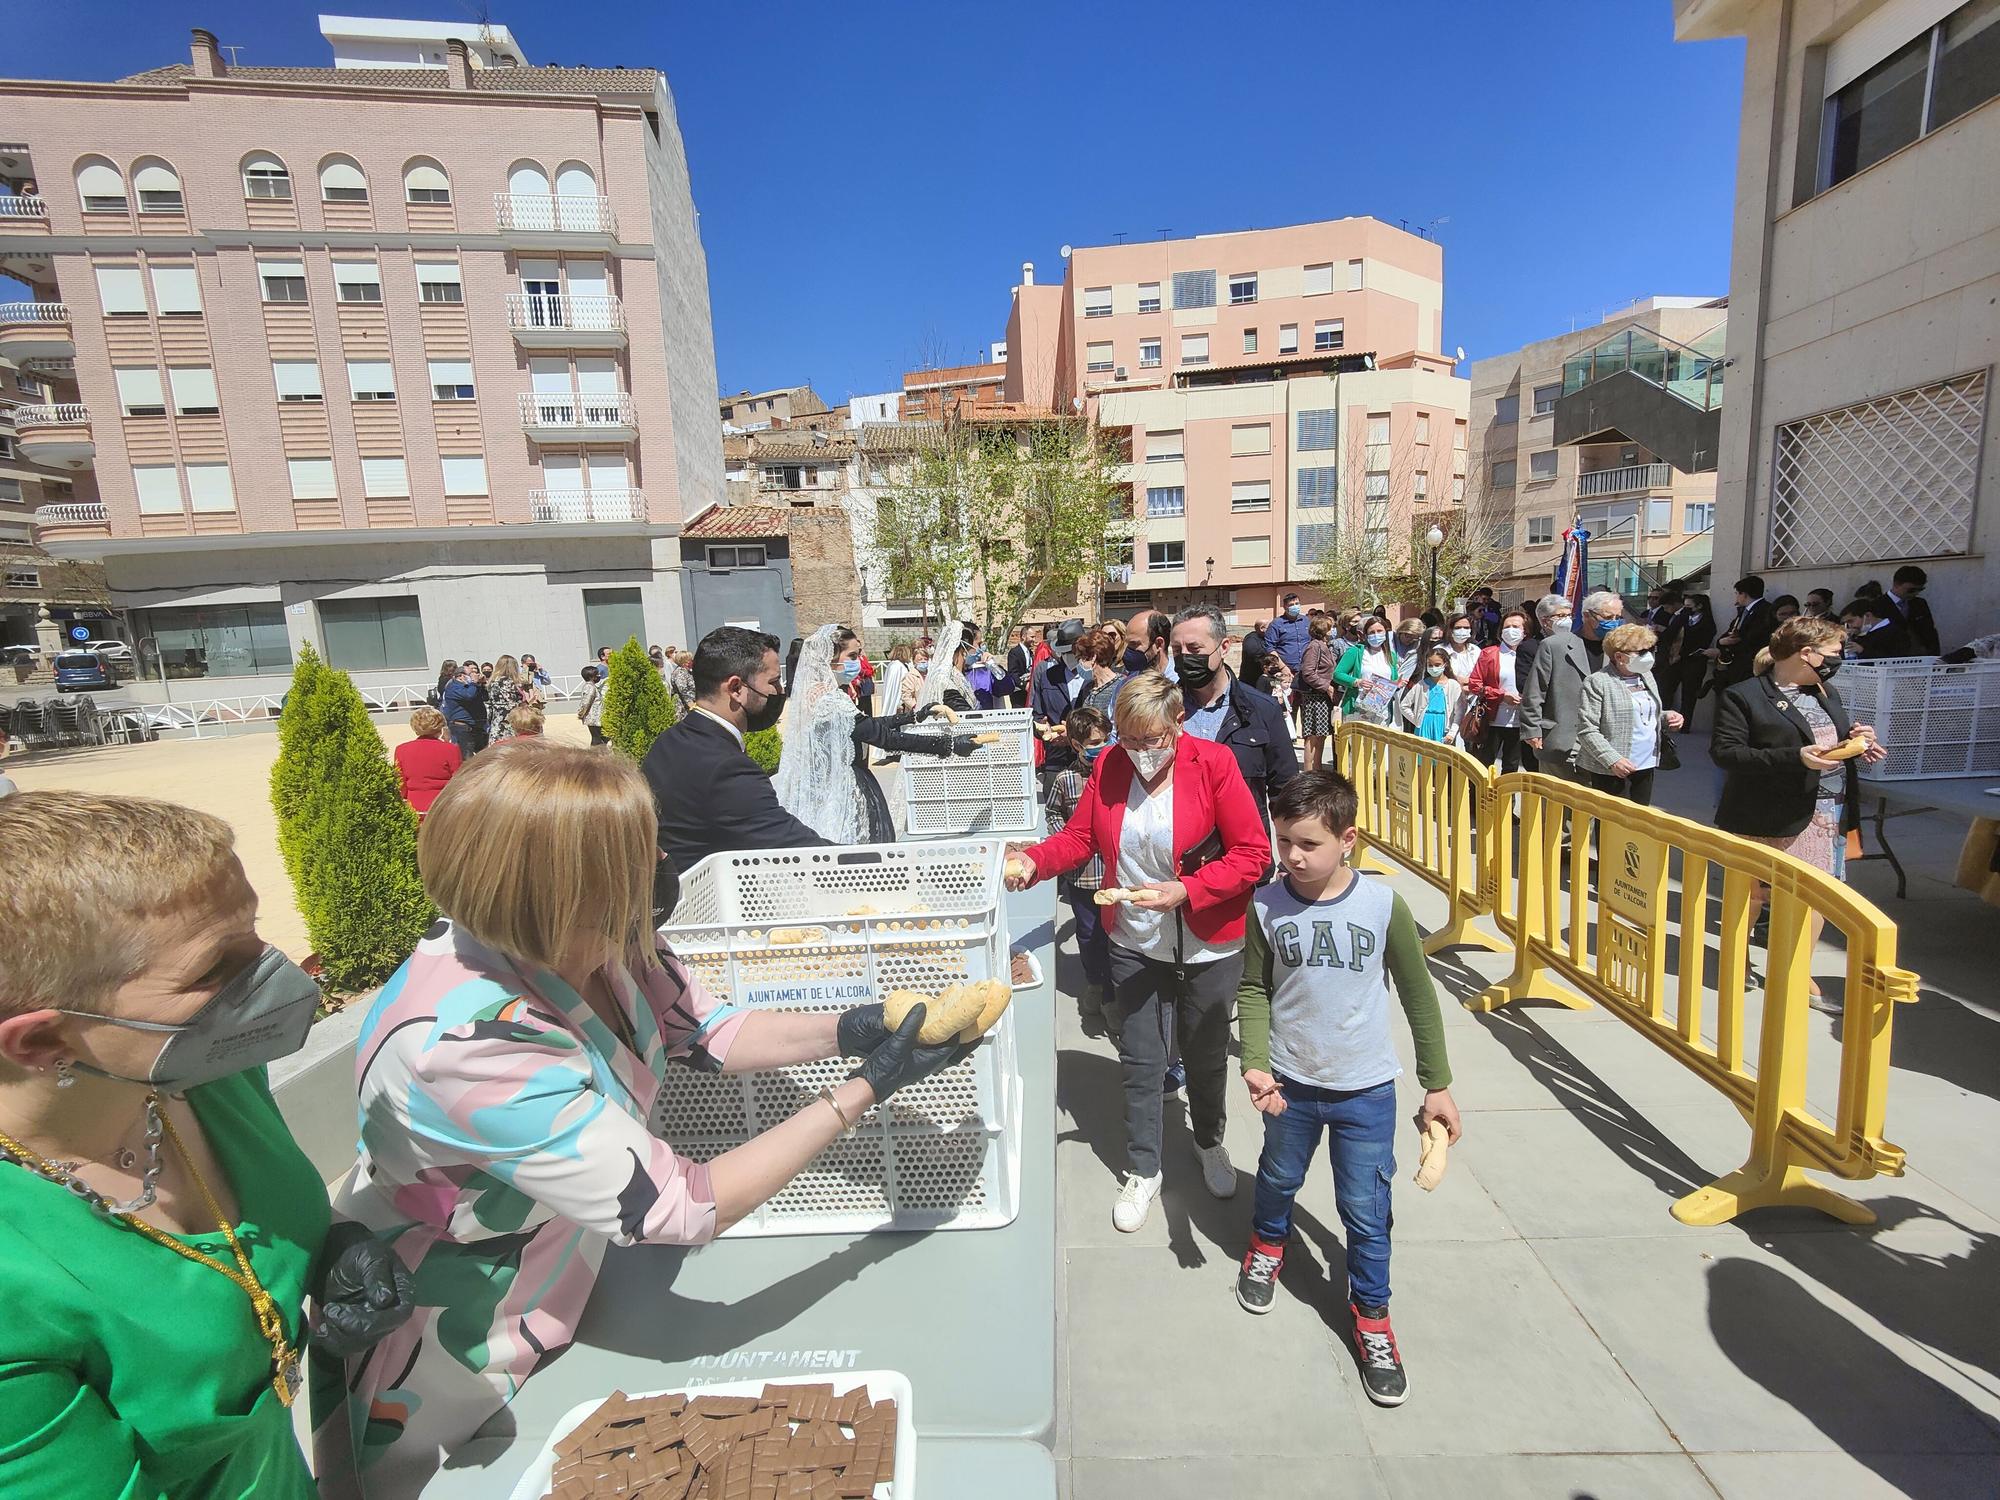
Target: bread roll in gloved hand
(902, 1060)
(965, 1011)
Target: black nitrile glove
(902, 1060)
(365, 1294)
(861, 1030)
(962, 744)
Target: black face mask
(1195, 671)
(767, 716)
(1827, 667)
(1135, 659)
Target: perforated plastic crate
(992, 790)
(1934, 720)
(941, 1154)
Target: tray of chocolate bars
(848, 1438)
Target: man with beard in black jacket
(1218, 707)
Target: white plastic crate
(942, 1154)
(1934, 720)
(992, 790)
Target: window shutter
(1194, 289)
(342, 174)
(369, 375)
(194, 389)
(439, 270)
(451, 372)
(312, 478)
(1318, 279)
(176, 289)
(426, 178)
(357, 273)
(139, 386)
(1318, 430)
(1318, 486)
(297, 377)
(159, 490)
(209, 488)
(465, 476)
(121, 289)
(293, 268)
(385, 476)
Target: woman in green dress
(159, 1230)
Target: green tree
(638, 709)
(348, 838)
(765, 747)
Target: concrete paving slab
(1500, 1362)
(1850, 1476)
(1163, 1364)
(1542, 1476)
(1740, 1352)
(1210, 1478)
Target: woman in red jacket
(1496, 682)
(1175, 824)
(427, 762)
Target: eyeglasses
(1150, 742)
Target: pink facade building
(1280, 386)
(402, 358)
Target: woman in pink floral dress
(506, 1075)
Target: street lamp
(1434, 539)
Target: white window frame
(1543, 466)
(1697, 516)
(1152, 361)
(210, 489)
(141, 392)
(469, 481)
(298, 381)
(1097, 302)
(724, 557)
(1099, 359)
(176, 289)
(1553, 393)
(290, 275)
(159, 198)
(262, 184)
(1380, 429)
(1329, 334)
(426, 169)
(1242, 288)
(121, 291)
(194, 390)
(334, 186)
(385, 478)
(373, 390)
(1288, 338)
(440, 281)
(1189, 354)
(355, 280)
(1166, 557)
(1249, 341)
(1149, 296)
(1541, 531)
(445, 386)
(1317, 281)
(1172, 501)
(158, 487)
(312, 479)
(1249, 495)
(1177, 436)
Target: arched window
(527, 179)
(575, 180)
(264, 176)
(159, 187)
(340, 181)
(424, 182)
(100, 187)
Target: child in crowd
(1087, 730)
(524, 722)
(1319, 951)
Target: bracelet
(846, 1125)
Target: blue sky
(870, 177)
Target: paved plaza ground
(1566, 1338)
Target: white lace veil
(815, 780)
(942, 676)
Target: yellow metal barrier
(1611, 934)
(1423, 805)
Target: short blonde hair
(526, 719)
(535, 843)
(1800, 633)
(90, 873)
(427, 723)
(1630, 638)
(1147, 704)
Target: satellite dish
(1461, 354)
(1076, 403)
(1067, 251)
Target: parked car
(14, 653)
(110, 650)
(76, 670)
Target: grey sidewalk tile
(1546, 1476)
(1852, 1476)
(1499, 1362)
(1225, 1479)
(1163, 1363)
(1740, 1352)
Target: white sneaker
(1217, 1173)
(1135, 1201)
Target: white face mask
(1512, 635)
(1460, 636)
(1641, 661)
(1151, 762)
(1562, 622)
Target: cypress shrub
(638, 709)
(764, 746)
(348, 838)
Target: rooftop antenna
(232, 48)
(1118, 235)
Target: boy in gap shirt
(1318, 952)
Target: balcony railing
(22, 206)
(586, 409)
(572, 506)
(553, 213)
(1693, 372)
(33, 312)
(532, 311)
(65, 414)
(73, 513)
(1630, 477)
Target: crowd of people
(506, 1074)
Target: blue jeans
(1361, 1130)
(1092, 946)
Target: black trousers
(1638, 787)
(1157, 1004)
(1502, 745)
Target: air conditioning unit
(1121, 373)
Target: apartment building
(393, 359)
(42, 599)
(753, 411)
(1278, 386)
(1864, 298)
(1650, 518)
(929, 395)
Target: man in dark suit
(1735, 650)
(1908, 588)
(1219, 706)
(1877, 630)
(710, 794)
(1020, 666)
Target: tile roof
(528, 80)
(899, 437)
(767, 447)
(724, 521)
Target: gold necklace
(270, 1319)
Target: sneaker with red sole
(1381, 1362)
(1258, 1280)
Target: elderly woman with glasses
(1183, 846)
